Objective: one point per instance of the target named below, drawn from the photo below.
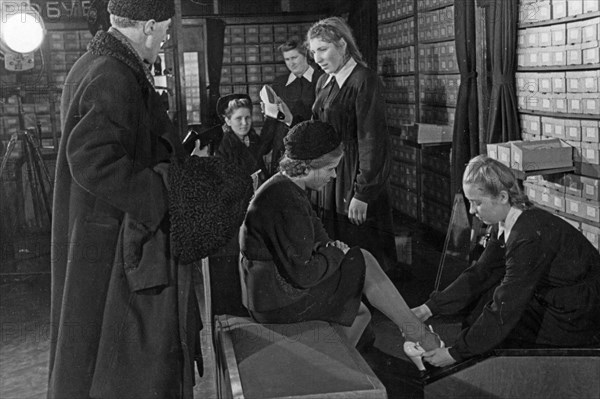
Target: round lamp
(23, 32)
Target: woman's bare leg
(355, 331)
(383, 295)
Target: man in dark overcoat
(124, 317)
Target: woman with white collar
(537, 281)
(355, 208)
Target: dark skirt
(336, 299)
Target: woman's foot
(415, 351)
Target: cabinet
(250, 55)
(418, 66)
(558, 92)
(31, 99)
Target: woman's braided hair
(493, 177)
(333, 30)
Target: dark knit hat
(208, 198)
(223, 102)
(142, 10)
(309, 140)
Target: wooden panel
(543, 377)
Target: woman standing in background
(355, 207)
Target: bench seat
(301, 360)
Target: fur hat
(142, 10)
(223, 102)
(208, 198)
(309, 140)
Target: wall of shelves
(40, 91)
(250, 55)
(558, 92)
(40, 87)
(417, 64)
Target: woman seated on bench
(537, 283)
(292, 270)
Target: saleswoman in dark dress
(537, 281)
(356, 205)
(292, 271)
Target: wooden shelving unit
(419, 86)
(559, 97)
(251, 58)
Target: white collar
(308, 75)
(342, 75)
(506, 226)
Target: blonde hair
(296, 167)
(333, 30)
(493, 177)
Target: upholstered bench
(302, 360)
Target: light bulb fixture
(21, 33)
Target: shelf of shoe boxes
(558, 89)
(396, 67)
(40, 92)
(251, 58)
(417, 190)
(192, 87)
(439, 80)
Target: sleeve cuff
(432, 308)
(363, 197)
(455, 355)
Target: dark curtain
(503, 120)
(362, 18)
(465, 139)
(215, 32)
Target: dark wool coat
(124, 319)
(545, 285)
(290, 274)
(249, 159)
(299, 97)
(357, 112)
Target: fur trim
(106, 44)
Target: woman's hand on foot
(439, 357)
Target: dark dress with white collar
(357, 112)
(299, 96)
(545, 285)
